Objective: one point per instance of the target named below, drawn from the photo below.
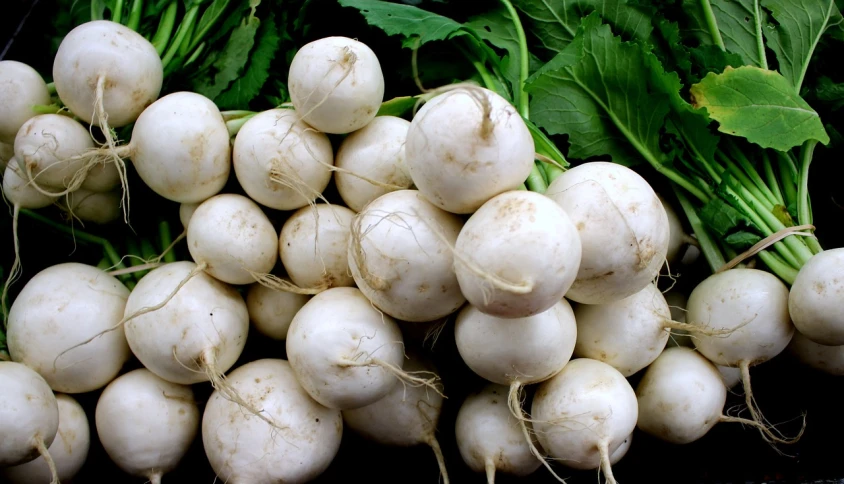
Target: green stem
(752, 173)
(712, 24)
(746, 183)
(95, 14)
(804, 210)
(535, 181)
(234, 125)
(199, 36)
(760, 39)
(771, 177)
(524, 61)
(181, 33)
(51, 88)
(195, 55)
(778, 267)
(165, 28)
(708, 246)
(117, 13)
(787, 178)
(135, 15)
(148, 253)
(165, 238)
(51, 109)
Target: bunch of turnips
(351, 225)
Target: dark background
(728, 454)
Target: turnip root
(271, 311)
(516, 352)
(489, 439)
(21, 194)
(406, 416)
(23, 88)
(753, 305)
(373, 153)
(814, 301)
(48, 149)
(466, 146)
(232, 239)
(583, 414)
(280, 161)
(401, 257)
(90, 206)
(622, 225)
(682, 396)
(828, 359)
(336, 84)
(517, 255)
(107, 73)
(62, 305)
(29, 416)
(630, 333)
(299, 446)
(69, 449)
(344, 352)
(313, 245)
(146, 424)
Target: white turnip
(336, 84)
(622, 225)
(401, 257)
(814, 301)
(62, 305)
(517, 255)
(271, 311)
(89, 206)
(466, 146)
(23, 88)
(48, 149)
(69, 449)
(374, 153)
(146, 424)
(298, 447)
(828, 359)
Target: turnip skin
(64, 305)
(23, 88)
(7, 151)
(29, 414)
(69, 449)
(313, 246)
(146, 424)
(48, 148)
(18, 191)
(271, 311)
(814, 301)
(336, 84)
(89, 206)
(623, 228)
(104, 51)
(374, 152)
(517, 255)
(243, 448)
(828, 359)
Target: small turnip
(466, 146)
(336, 84)
(296, 448)
(272, 311)
(828, 359)
(814, 301)
(48, 149)
(23, 88)
(89, 206)
(623, 228)
(146, 424)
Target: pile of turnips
(551, 292)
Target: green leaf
(829, 92)
(800, 26)
(723, 218)
(496, 27)
(232, 59)
(596, 91)
(555, 22)
(742, 240)
(209, 18)
(736, 21)
(247, 86)
(781, 213)
(398, 106)
(406, 20)
(710, 58)
(760, 105)
(674, 54)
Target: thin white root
(15, 271)
(440, 458)
(412, 378)
(606, 466)
(155, 478)
(134, 269)
(42, 449)
(489, 467)
(111, 146)
(700, 330)
(434, 332)
(196, 270)
(515, 405)
(278, 284)
(769, 432)
(208, 363)
(170, 247)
